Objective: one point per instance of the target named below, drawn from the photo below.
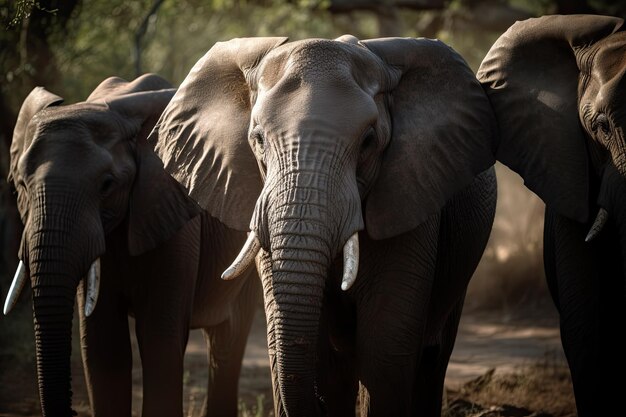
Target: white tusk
(93, 287)
(19, 280)
(350, 261)
(598, 224)
(244, 259)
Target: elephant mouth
(252, 246)
(21, 277)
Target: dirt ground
(501, 366)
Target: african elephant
(91, 191)
(379, 149)
(557, 87)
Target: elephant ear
(443, 134)
(531, 77)
(37, 100)
(159, 206)
(116, 86)
(202, 134)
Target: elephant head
(308, 143)
(81, 171)
(557, 87)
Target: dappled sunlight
(510, 273)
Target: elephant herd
(362, 172)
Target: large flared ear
(443, 134)
(116, 86)
(159, 206)
(531, 77)
(202, 134)
(37, 100)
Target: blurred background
(69, 46)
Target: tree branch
(141, 32)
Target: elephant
(381, 150)
(94, 197)
(556, 84)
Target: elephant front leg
(107, 354)
(393, 295)
(337, 384)
(431, 374)
(388, 343)
(587, 283)
(162, 337)
(162, 298)
(226, 344)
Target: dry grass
(542, 389)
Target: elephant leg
(587, 283)
(431, 373)
(464, 230)
(337, 383)
(340, 383)
(106, 352)
(392, 301)
(162, 301)
(226, 344)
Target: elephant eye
(19, 185)
(369, 139)
(107, 185)
(601, 125)
(257, 136)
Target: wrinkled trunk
(55, 272)
(300, 242)
(53, 307)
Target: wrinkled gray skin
(558, 89)
(90, 186)
(316, 140)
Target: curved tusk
(244, 259)
(350, 261)
(19, 280)
(598, 224)
(93, 287)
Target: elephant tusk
(598, 224)
(93, 287)
(19, 280)
(244, 259)
(350, 261)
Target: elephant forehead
(81, 122)
(68, 135)
(315, 59)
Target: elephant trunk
(300, 242)
(53, 307)
(298, 287)
(55, 271)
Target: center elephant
(91, 191)
(379, 150)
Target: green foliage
(179, 34)
(19, 10)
